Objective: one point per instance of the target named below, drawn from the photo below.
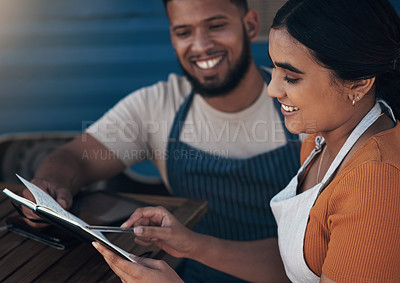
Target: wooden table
(25, 260)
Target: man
(213, 134)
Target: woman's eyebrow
(289, 67)
(286, 66)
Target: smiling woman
(298, 79)
(334, 79)
(337, 76)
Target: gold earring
(354, 99)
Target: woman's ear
(360, 88)
(252, 24)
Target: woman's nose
(275, 88)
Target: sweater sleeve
(365, 225)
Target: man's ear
(252, 24)
(360, 88)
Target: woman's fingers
(143, 242)
(152, 232)
(121, 267)
(154, 215)
(145, 270)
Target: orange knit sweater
(353, 234)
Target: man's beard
(232, 80)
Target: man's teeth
(289, 108)
(208, 64)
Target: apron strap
(365, 123)
(184, 109)
(180, 118)
(386, 108)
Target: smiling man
(213, 133)
(221, 68)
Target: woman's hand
(254, 261)
(155, 225)
(145, 270)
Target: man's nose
(202, 41)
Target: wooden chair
(22, 153)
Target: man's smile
(208, 64)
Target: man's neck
(244, 95)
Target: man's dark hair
(241, 4)
(355, 39)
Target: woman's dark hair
(356, 39)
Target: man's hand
(145, 270)
(64, 171)
(155, 225)
(61, 195)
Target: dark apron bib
(238, 190)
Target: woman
(339, 217)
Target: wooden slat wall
(63, 62)
(66, 62)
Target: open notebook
(47, 208)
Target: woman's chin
(294, 127)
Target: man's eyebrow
(213, 18)
(179, 27)
(216, 17)
(286, 66)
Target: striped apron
(238, 190)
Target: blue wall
(62, 63)
(66, 62)
(396, 4)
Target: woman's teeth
(208, 64)
(289, 108)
